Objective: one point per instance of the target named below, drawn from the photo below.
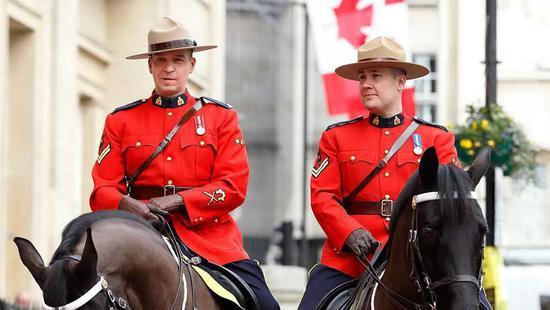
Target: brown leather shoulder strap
(186, 116)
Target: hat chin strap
(82, 300)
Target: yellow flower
(470, 152)
(477, 144)
(484, 124)
(466, 143)
(491, 143)
(474, 125)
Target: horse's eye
(427, 231)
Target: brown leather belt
(148, 192)
(383, 208)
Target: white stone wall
(63, 70)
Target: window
(426, 88)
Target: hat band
(380, 59)
(171, 44)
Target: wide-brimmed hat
(381, 52)
(168, 35)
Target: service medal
(417, 144)
(199, 125)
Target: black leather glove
(165, 205)
(362, 243)
(136, 207)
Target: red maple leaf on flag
(350, 21)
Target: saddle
(354, 293)
(338, 297)
(224, 283)
(232, 283)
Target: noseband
(419, 274)
(113, 302)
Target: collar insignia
(386, 122)
(396, 120)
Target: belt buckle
(386, 207)
(169, 188)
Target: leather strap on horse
(186, 116)
(394, 148)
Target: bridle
(113, 301)
(102, 286)
(426, 288)
(419, 274)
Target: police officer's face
(381, 89)
(170, 71)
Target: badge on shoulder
(320, 165)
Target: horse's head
(107, 259)
(67, 277)
(446, 231)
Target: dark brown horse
(437, 234)
(114, 260)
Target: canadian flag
(339, 27)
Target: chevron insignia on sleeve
(319, 167)
(103, 153)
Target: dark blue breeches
(251, 273)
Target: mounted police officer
(352, 189)
(196, 176)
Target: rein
(178, 255)
(418, 273)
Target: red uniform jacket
(348, 151)
(213, 163)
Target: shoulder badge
(423, 122)
(129, 105)
(216, 102)
(351, 121)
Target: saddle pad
(216, 287)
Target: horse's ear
(480, 165)
(31, 259)
(88, 263)
(428, 168)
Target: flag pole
(490, 98)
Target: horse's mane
(450, 180)
(56, 285)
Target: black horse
(114, 260)
(437, 234)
